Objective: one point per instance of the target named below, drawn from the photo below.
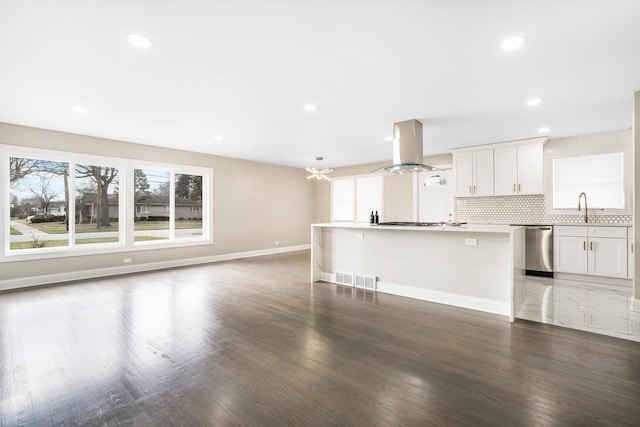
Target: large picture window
(64, 204)
(38, 202)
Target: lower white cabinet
(595, 251)
(588, 309)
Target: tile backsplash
(521, 210)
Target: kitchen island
(470, 266)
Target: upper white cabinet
(518, 169)
(596, 251)
(474, 172)
(504, 169)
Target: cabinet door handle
(474, 189)
(590, 246)
(632, 248)
(584, 246)
(514, 188)
(470, 192)
(518, 188)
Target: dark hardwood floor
(252, 343)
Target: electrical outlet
(471, 242)
(127, 260)
(359, 235)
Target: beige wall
(398, 190)
(254, 204)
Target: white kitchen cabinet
(596, 251)
(607, 257)
(592, 310)
(518, 169)
(474, 173)
(570, 254)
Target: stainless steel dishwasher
(539, 250)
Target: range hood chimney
(407, 148)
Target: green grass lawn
(53, 243)
(60, 228)
(29, 245)
(14, 232)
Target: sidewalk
(26, 229)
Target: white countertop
(476, 228)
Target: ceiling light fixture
(138, 40)
(513, 43)
(318, 173)
(310, 107)
(543, 130)
(534, 101)
(80, 109)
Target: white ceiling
(245, 68)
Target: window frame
(126, 206)
(585, 149)
(355, 179)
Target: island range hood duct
(407, 148)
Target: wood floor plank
(251, 343)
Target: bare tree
(20, 167)
(44, 194)
(103, 177)
(57, 168)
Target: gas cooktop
(411, 224)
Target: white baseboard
(463, 301)
(47, 279)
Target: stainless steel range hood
(407, 148)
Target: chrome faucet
(586, 219)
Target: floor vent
(344, 278)
(366, 282)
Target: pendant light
(319, 173)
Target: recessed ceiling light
(513, 43)
(388, 138)
(534, 101)
(543, 130)
(219, 138)
(80, 109)
(138, 40)
(310, 107)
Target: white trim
(463, 301)
(47, 279)
(634, 305)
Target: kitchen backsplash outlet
(522, 210)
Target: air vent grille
(366, 282)
(344, 278)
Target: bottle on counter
(376, 219)
(372, 218)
